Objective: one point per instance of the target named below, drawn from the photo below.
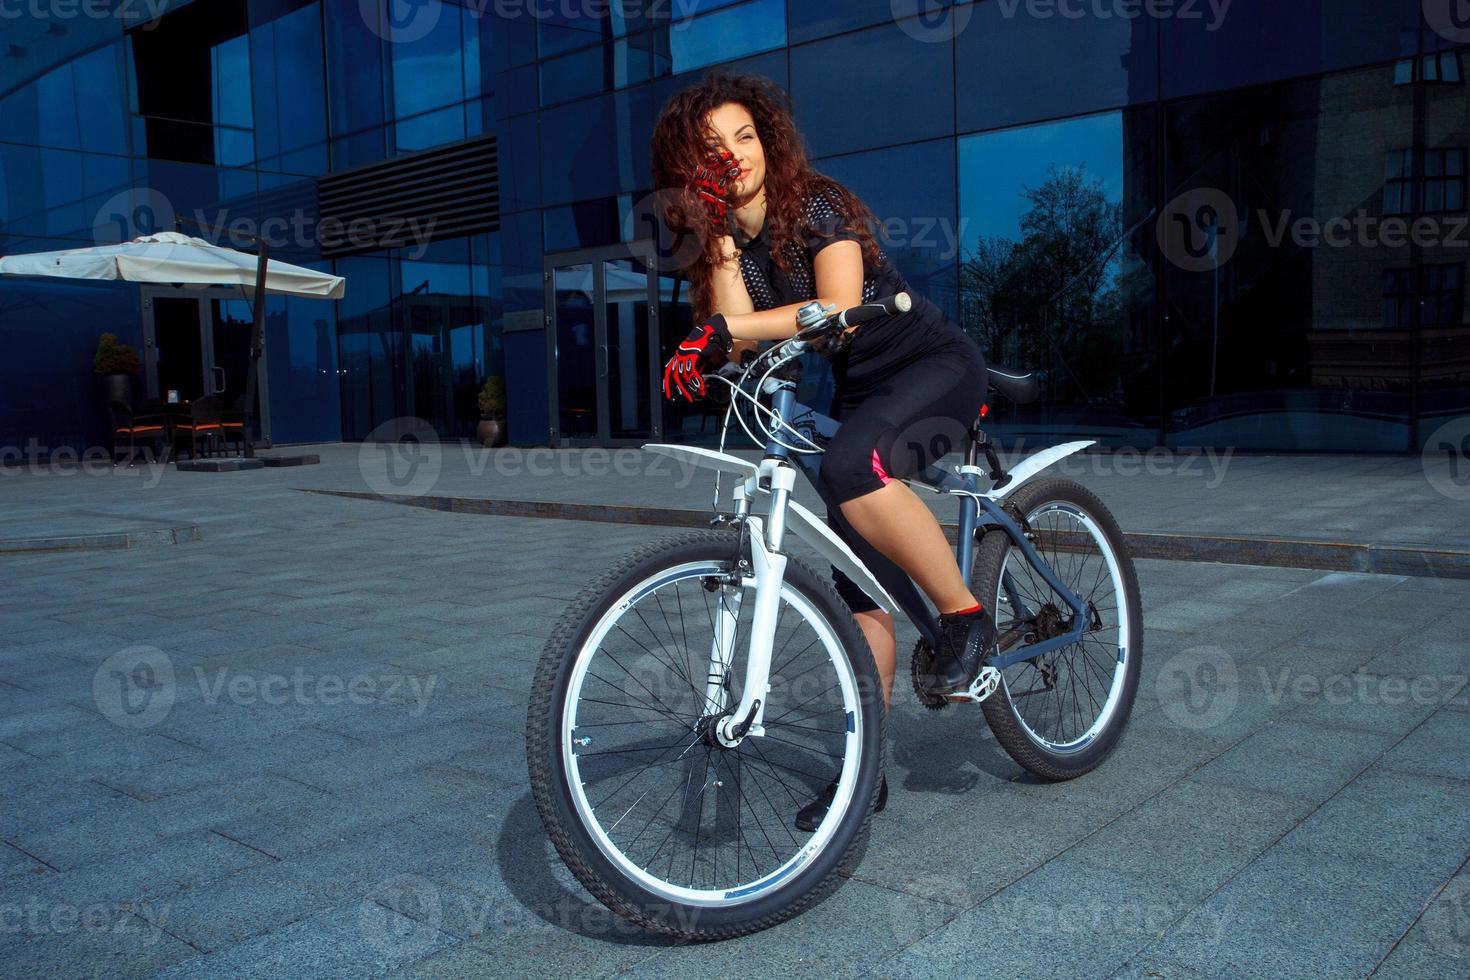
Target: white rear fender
(1035, 463)
(812, 529)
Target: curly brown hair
(679, 144)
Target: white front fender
(706, 458)
(812, 529)
(1037, 462)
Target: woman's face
(731, 128)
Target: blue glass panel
(520, 164)
(430, 129)
(516, 91)
(1012, 68)
(593, 70)
(516, 43)
(911, 192)
(47, 390)
(301, 358)
(903, 86)
(230, 78)
(597, 147)
(812, 19)
(1256, 43)
(1051, 280)
(101, 114)
(290, 96)
(78, 105)
(354, 77)
(585, 224)
(233, 147)
(370, 347)
(757, 25)
(565, 28)
(358, 149)
(429, 72)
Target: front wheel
(659, 818)
(1060, 714)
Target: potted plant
(491, 430)
(116, 366)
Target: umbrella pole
(257, 340)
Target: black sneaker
(965, 641)
(809, 816)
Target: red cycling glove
(712, 182)
(685, 369)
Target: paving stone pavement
(295, 748)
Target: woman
(776, 234)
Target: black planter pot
(118, 387)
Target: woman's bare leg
(895, 521)
(877, 626)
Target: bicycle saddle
(1020, 387)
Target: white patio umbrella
(175, 258)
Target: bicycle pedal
(982, 687)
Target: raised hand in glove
(712, 181)
(685, 370)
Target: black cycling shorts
(894, 426)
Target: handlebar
(814, 320)
(897, 303)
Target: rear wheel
(1061, 714)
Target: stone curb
(104, 542)
(1334, 556)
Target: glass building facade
(1240, 227)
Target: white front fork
(768, 565)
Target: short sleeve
(826, 219)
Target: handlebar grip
(897, 303)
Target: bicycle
(654, 755)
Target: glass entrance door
(601, 347)
(198, 345)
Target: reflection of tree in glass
(1052, 301)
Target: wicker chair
(201, 424)
(134, 428)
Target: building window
(1432, 181)
(1441, 68)
(1440, 293)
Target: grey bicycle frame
(820, 429)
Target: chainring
(919, 663)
